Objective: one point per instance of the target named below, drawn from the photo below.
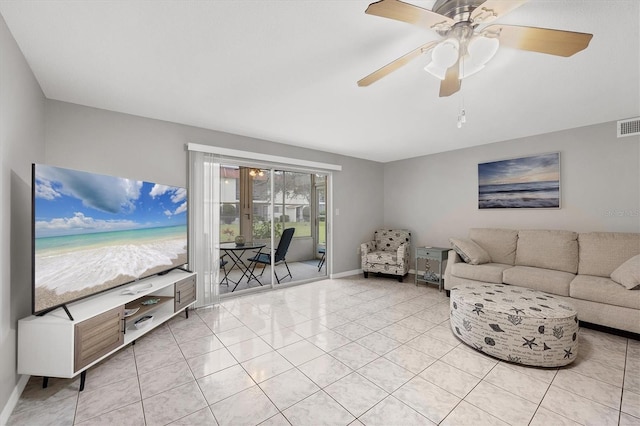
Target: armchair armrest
(403, 251)
(367, 247)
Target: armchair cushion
(382, 257)
(390, 239)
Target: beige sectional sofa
(576, 266)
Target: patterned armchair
(388, 253)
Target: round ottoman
(516, 324)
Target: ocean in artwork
(522, 183)
(520, 195)
(71, 263)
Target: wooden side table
(431, 253)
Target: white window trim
(247, 155)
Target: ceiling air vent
(629, 127)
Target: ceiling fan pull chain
(462, 117)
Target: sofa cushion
(628, 274)
(602, 252)
(549, 280)
(557, 250)
(499, 243)
(603, 290)
(469, 251)
(488, 272)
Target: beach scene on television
(95, 232)
(527, 182)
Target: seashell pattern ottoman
(515, 324)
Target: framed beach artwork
(520, 183)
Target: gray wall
(436, 196)
(21, 143)
(124, 145)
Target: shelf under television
(144, 309)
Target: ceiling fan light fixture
(435, 70)
(443, 56)
(482, 49)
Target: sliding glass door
(258, 205)
(254, 226)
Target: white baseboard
(13, 399)
(346, 273)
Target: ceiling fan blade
(392, 66)
(451, 83)
(542, 40)
(491, 10)
(400, 11)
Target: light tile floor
(337, 352)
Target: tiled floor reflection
(338, 352)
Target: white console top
(102, 302)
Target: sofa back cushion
(390, 239)
(557, 250)
(499, 243)
(602, 252)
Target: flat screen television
(93, 232)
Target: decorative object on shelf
(527, 182)
(143, 322)
(135, 289)
(129, 312)
(438, 254)
(429, 275)
(239, 240)
(150, 302)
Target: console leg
(45, 382)
(83, 377)
(186, 312)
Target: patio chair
(281, 252)
(323, 251)
(223, 264)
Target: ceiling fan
(466, 49)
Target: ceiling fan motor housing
(458, 10)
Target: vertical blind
(204, 224)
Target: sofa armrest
(452, 259)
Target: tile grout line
(624, 375)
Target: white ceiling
(286, 71)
